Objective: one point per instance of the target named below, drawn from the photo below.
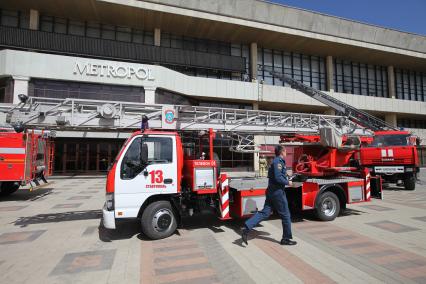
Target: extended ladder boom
(358, 116)
(79, 114)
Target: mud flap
(376, 187)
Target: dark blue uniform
(275, 199)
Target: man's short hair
(278, 150)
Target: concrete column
(391, 82)
(391, 118)
(20, 86)
(257, 141)
(150, 94)
(34, 19)
(253, 60)
(157, 37)
(330, 73)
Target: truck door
(136, 182)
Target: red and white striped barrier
(367, 186)
(224, 197)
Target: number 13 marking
(156, 176)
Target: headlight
(409, 169)
(109, 201)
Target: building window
(15, 19)
(95, 30)
(411, 123)
(410, 85)
(360, 79)
(307, 69)
(77, 90)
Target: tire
(7, 188)
(327, 207)
(158, 220)
(410, 183)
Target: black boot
(244, 236)
(288, 242)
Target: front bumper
(108, 218)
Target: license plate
(386, 170)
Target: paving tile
(85, 261)
(388, 252)
(357, 245)
(90, 230)
(20, 237)
(423, 218)
(405, 264)
(67, 205)
(88, 191)
(11, 208)
(377, 207)
(178, 257)
(79, 197)
(392, 226)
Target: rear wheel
(328, 206)
(8, 188)
(410, 183)
(159, 220)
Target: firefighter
(275, 199)
(263, 166)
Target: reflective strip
(12, 150)
(225, 212)
(225, 197)
(368, 195)
(225, 183)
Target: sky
(403, 15)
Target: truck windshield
(390, 140)
(160, 151)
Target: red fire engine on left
(25, 158)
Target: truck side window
(160, 151)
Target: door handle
(168, 181)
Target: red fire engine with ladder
(390, 153)
(169, 169)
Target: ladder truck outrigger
(169, 170)
(390, 153)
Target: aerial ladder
(357, 116)
(391, 153)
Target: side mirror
(144, 154)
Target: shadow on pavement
(27, 195)
(129, 228)
(125, 230)
(58, 217)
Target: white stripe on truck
(12, 150)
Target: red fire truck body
(393, 156)
(154, 178)
(24, 157)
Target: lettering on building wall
(111, 71)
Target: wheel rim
(162, 220)
(328, 206)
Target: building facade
(207, 53)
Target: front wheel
(158, 220)
(328, 206)
(8, 188)
(410, 183)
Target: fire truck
(25, 158)
(390, 153)
(169, 170)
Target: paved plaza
(54, 235)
